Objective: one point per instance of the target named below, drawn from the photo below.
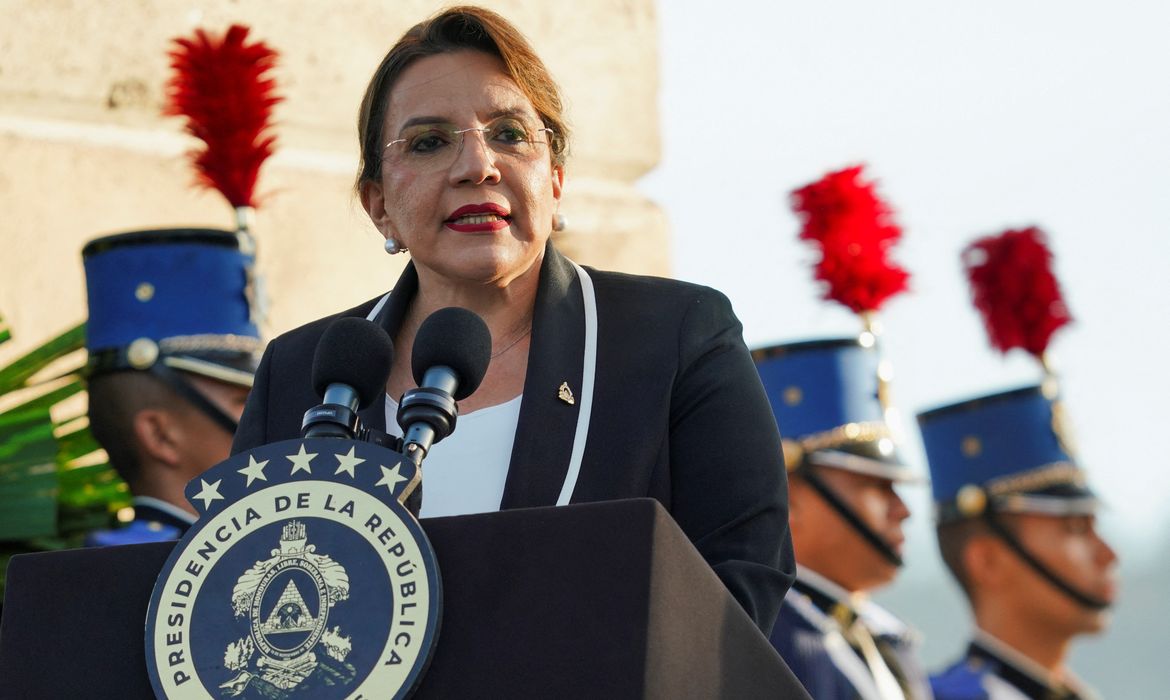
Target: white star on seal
(391, 477)
(346, 463)
(254, 470)
(300, 461)
(209, 493)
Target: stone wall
(85, 151)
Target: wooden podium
(602, 600)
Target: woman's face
(485, 217)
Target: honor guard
(846, 521)
(173, 346)
(1016, 528)
(1015, 518)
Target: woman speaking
(601, 385)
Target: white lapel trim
(839, 651)
(588, 374)
(378, 307)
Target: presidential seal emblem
(304, 577)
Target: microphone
(350, 369)
(451, 354)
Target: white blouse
(466, 471)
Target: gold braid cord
(1054, 474)
(850, 433)
(209, 342)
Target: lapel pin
(566, 394)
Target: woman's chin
(483, 265)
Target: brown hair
(459, 29)
(114, 400)
(953, 538)
(952, 541)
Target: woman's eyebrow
(493, 115)
(414, 121)
(508, 112)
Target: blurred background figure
(846, 521)
(1017, 529)
(1016, 519)
(831, 401)
(173, 333)
(173, 347)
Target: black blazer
(678, 414)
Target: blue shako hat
(829, 401)
(1008, 452)
(173, 299)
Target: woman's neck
(508, 313)
(503, 307)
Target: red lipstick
(478, 218)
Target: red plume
(222, 86)
(1015, 290)
(855, 230)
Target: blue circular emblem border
(261, 469)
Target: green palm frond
(28, 475)
(56, 484)
(16, 374)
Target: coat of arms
(290, 637)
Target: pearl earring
(559, 222)
(393, 247)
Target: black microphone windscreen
(355, 352)
(455, 338)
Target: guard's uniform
(1005, 453)
(991, 670)
(828, 400)
(154, 521)
(843, 646)
(172, 303)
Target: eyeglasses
(434, 147)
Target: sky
(973, 117)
